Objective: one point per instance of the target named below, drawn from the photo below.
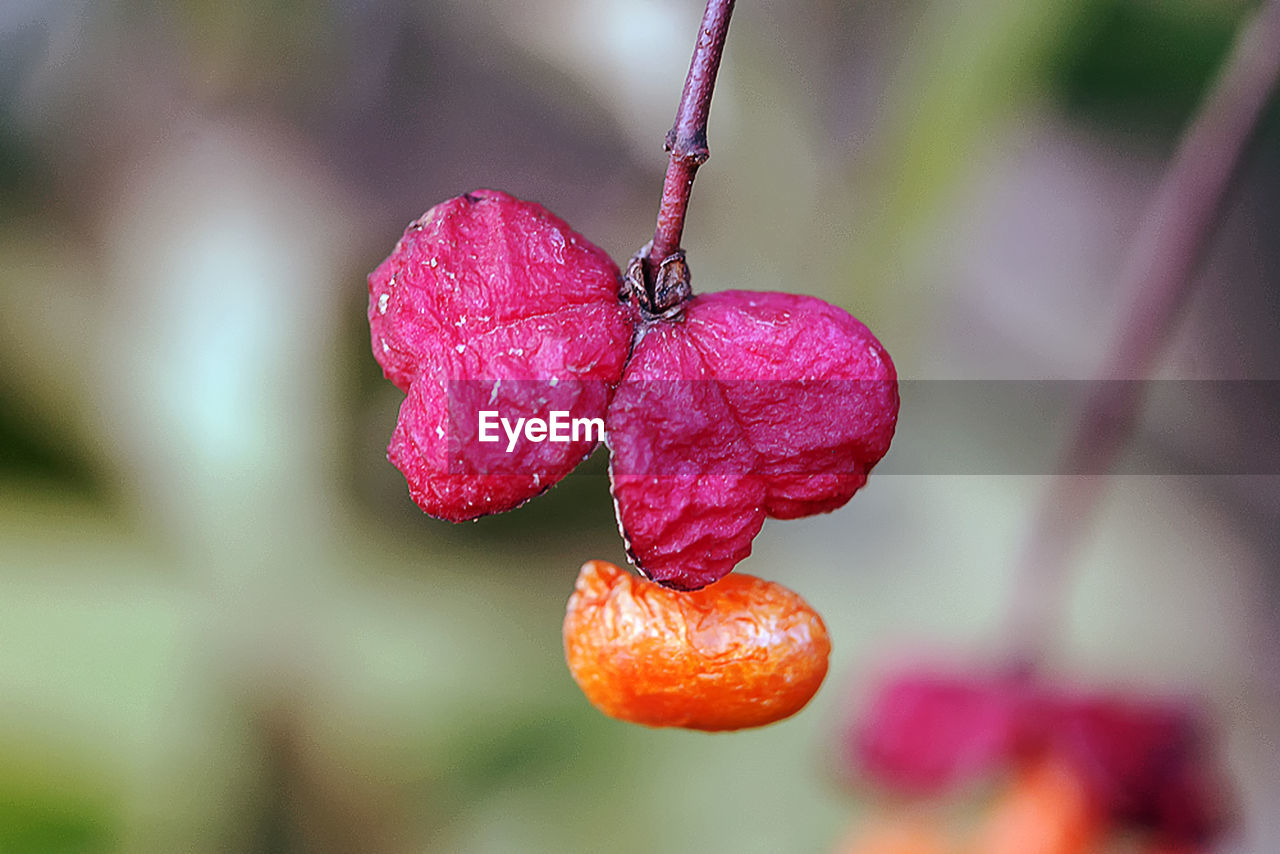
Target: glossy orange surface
(742, 652)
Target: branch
(687, 140)
(1159, 273)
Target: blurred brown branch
(1160, 274)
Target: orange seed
(742, 652)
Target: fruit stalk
(687, 139)
(1159, 272)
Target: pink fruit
(734, 406)
(924, 732)
(1146, 760)
(744, 406)
(1143, 761)
(492, 303)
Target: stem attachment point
(663, 294)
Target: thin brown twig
(687, 140)
(1159, 272)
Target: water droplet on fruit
(557, 246)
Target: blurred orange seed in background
(901, 834)
(1161, 847)
(742, 652)
(1046, 810)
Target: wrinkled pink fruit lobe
(747, 405)
(489, 302)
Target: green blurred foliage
(31, 451)
(54, 805)
(1138, 64)
(53, 824)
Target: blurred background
(224, 626)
